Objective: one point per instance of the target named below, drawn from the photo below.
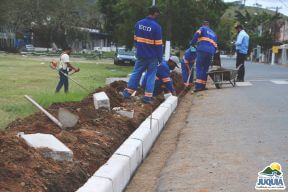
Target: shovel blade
(67, 118)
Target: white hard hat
(175, 59)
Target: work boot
(125, 95)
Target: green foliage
(225, 31)
(179, 19)
(51, 21)
(268, 23)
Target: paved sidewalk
(232, 135)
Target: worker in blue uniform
(207, 45)
(163, 81)
(187, 66)
(148, 42)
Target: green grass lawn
(32, 76)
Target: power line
(283, 3)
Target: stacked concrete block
(161, 114)
(57, 150)
(144, 135)
(173, 100)
(117, 169)
(168, 106)
(132, 148)
(101, 100)
(167, 95)
(95, 184)
(153, 125)
(121, 166)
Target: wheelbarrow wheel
(217, 81)
(218, 86)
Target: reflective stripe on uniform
(158, 42)
(165, 80)
(209, 40)
(148, 94)
(148, 41)
(201, 81)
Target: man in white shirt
(64, 68)
(242, 46)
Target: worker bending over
(207, 45)
(187, 66)
(163, 82)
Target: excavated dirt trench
(93, 140)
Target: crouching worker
(187, 65)
(163, 82)
(64, 68)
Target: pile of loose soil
(93, 140)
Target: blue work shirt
(242, 42)
(189, 56)
(148, 39)
(206, 39)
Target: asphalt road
(229, 135)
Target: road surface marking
(280, 82)
(243, 84)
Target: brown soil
(93, 140)
(177, 82)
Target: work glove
(193, 49)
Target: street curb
(116, 173)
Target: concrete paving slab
(124, 112)
(98, 184)
(131, 148)
(116, 169)
(58, 150)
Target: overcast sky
(268, 3)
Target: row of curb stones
(116, 173)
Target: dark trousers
(63, 81)
(240, 60)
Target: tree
(50, 21)
(179, 19)
(266, 22)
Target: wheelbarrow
(222, 76)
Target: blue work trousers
(141, 65)
(159, 86)
(203, 62)
(62, 81)
(185, 73)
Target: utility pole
(274, 8)
(244, 2)
(169, 29)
